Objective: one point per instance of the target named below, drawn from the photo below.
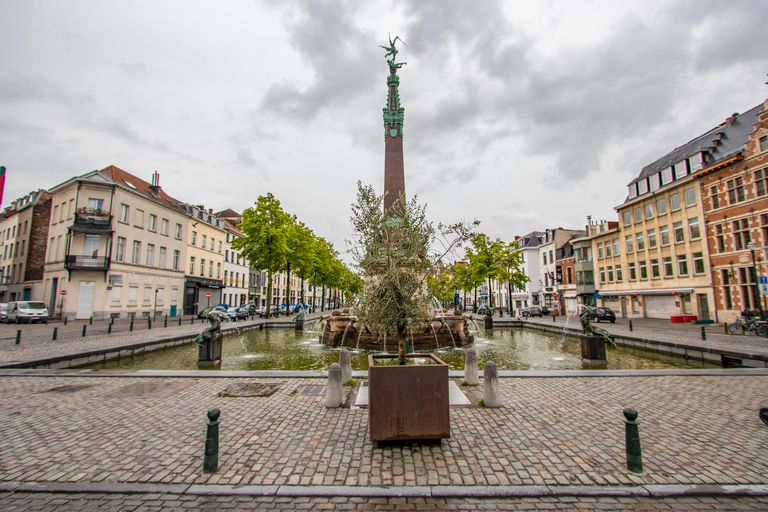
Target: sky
(523, 115)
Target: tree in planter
(394, 254)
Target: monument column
(394, 114)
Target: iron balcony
(86, 263)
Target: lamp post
(752, 246)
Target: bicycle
(744, 324)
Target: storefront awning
(668, 291)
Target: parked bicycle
(745, 324)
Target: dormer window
(764, 143)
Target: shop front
(196, 291)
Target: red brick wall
(38, 238)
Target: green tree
(265, 243)
(442, 285)
(299, 256)
(510, 259)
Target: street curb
(303, 491)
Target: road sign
(763, 285)
(208, 295)
(63, 292)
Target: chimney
(210, 211)
(155, 186)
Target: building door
(703, 306)
(52, 303)
(27, 293)
(85, 299)
(623, 307)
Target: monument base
(593, 350)
(209, 352)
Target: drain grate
(70, 388)
(250, 390)
(312, 391)
(150, 389)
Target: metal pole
(630, 326)
(752, 246)
(211, 453)
(55, 333)
(18, 336)
(109, 328)
(703, 333)
(634, 450)
(83, 330)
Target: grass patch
(481, 404)
(464, 383)
(351, 383)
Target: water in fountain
(450, 332)
(316, 331)
(437, 345)
(357, 345)
(345, 333)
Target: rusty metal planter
(408, 402)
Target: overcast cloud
(524, 116)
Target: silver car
(27, 311)
(4, 312)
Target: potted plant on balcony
(408, 397)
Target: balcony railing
(97, 219)
(86, 263)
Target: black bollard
(211, 454)
(18, 337)
(630, 326)
(65, 320)
(109, 328)
(192, 320)
(634, 451)
(554, 319)
(90, 321)
(764, 415)
(83, 331)
(703, 333)
(130, 328)
(725, 325)
(149, 323)
(179, 321)
(165, 324)
(55, 333)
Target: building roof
(129, 180)
(531, 240)
(227, 214)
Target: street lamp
(752, 246)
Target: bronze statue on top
(391, 50)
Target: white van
(27, 311)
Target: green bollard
(726, 327)
(179, 321)
(90, 321)
(55, 333)
(634, 451)
(554, 319)
(211, 454)
(65, 320)
(149, 323)
(83, 331)
(131, 326)
(703, 333)
(109, 328)
(165, 324)
(630, 326)
(18, 337)
(191, 320)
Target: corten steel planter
(408, 402)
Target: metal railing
(87, 263)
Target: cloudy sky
(524, 115)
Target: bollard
(83, 331)
(703, 333)
(491, 394)
(333, 391)
(725, 325)
(554, 319)
(346, 366)
(55, 333)
(470, 368)
(65, 320)
(192, 320)
(109, 328)
(90, 321)
(763, 415)
(18, 337)
(630, 326)
(179, 321)
(149, 323)
(211, 453)
(634, 451)
(131, 326)
(165, 324)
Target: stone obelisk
(394, 114)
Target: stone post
(334, 391)
(470, 368)
(346, 366)
(491, 391)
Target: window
(136, 252)
(720, 238)
(616, 246)
(599, 251)
(203, 242)
(764, 143)
(632, 275)
(63, 206)
(218, 271)
(176, 255)
(544, 255)
(677, 228)
(693, 227)
(643, 270)
(668, 266)
(610, 274)
(618, 274)
(627, 218)
(741, 233)
(150, 254)
(219, 246)
(120, 254)
(715, 197)
(202, 267)
(649, 211)
(161, 264)
(192, 265)
(690, 197)
(55, 214)
(735, 190)
(661, 206)
(664, 232)
(607, 249)
(674, 201)
(117, 292)
(178, 231)
(652, 238)
(152, 222)
(682, 264)
(211, 243)
(761, 177)
(164, 227)
(698, 263)
(638, 214)
(551, 257)
(602, 275)
(194, 237)
(147, 296)
(630, 244)
(640, 237)
(133, 293)
(655, 272)
(727, 290)
(138, 220)
(210, 269)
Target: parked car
(27, 311)
(242, 313)
(603, 314)
(232, 313)
(251, 308)
(532, 311)
(4, 312)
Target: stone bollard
(334, 391)
(346, 366)
(491, 391)
(470, 368)
(211, 452)
(634, 451)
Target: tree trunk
(490, 295)
(322, 300)
(401, 344)
(288, 289)
(269, 293)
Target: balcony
(86, 263)
(89, 220)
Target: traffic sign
(208, 295)
(763, 285)
(63, 292)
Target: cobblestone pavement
(164, 502)
(36, 339)
(665, 330)
(552, 431)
